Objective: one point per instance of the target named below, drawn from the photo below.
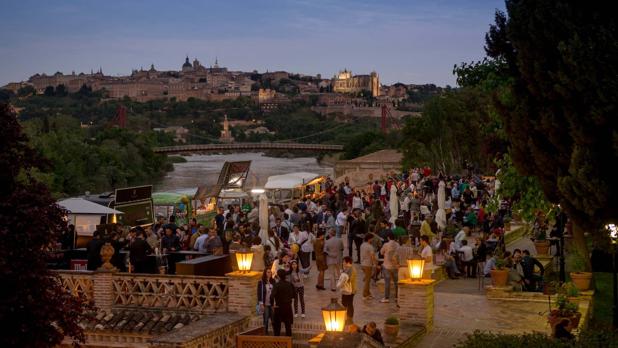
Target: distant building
(345, 82)
(180, 133)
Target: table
(209, 265)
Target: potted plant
(541, 243)
(565, 309)
(578, 274)
(391, 326)
(499, 275)
(571, 291)
(507, 223)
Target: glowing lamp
(415, 267)
(244, 259)
(334, 316)
(613, 232)
(114, 220)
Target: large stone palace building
(345, 82)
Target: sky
(409, 41)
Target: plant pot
(391, 329)
(555, 318)
(499, 277)
(581, 280)
(542, 247)
(507, 226)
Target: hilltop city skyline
(406, 42)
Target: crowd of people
(347, 225)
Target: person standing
(299, 288)
(427, 255)
(264, 290)
(341, 221)
(358, 230)
(138, 253)
(390, 265)
(333, 248)
(368, 261)
(93, 248)
(347, 285)
(320, 259)
(281, 297)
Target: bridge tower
(120, 120)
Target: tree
(35, 310)
(26, 91)
(559, 108)
(49, 91)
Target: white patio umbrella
(393, 204)
(263, 217)
(441, 213)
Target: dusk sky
(404, 41)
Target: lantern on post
(415, 267)
(334, 316)
(243, 259)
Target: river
(204, 170)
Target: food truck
(289, 188)
(178, 204)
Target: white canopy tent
(85, 215)
(289, 181)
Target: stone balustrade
(111, 290)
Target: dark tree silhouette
(35, 311)
(559, 110)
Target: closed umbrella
(393, 204)
(263, 217)
(441, 213)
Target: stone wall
(218, 331)
(416, 302)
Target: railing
(247, 146)
(192, 293)
(78, 283)
(249, 341)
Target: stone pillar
(242, 292)
(416, 302)
(103, 290)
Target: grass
(603, 300)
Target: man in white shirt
(341, 221)
(390, 265)
(461, 236)
(467, 258)
(427, 255)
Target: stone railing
(187, 293)
(78, 283)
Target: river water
(204, 170)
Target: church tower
(226, 134)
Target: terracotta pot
(542, 247)
(581, 280)
(391, 330)
(499, 277)
(555, 318)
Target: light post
(244, 259)
(415, 267)
(613, 236)
(334, 316)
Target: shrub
(391, 321)
(479, 339)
